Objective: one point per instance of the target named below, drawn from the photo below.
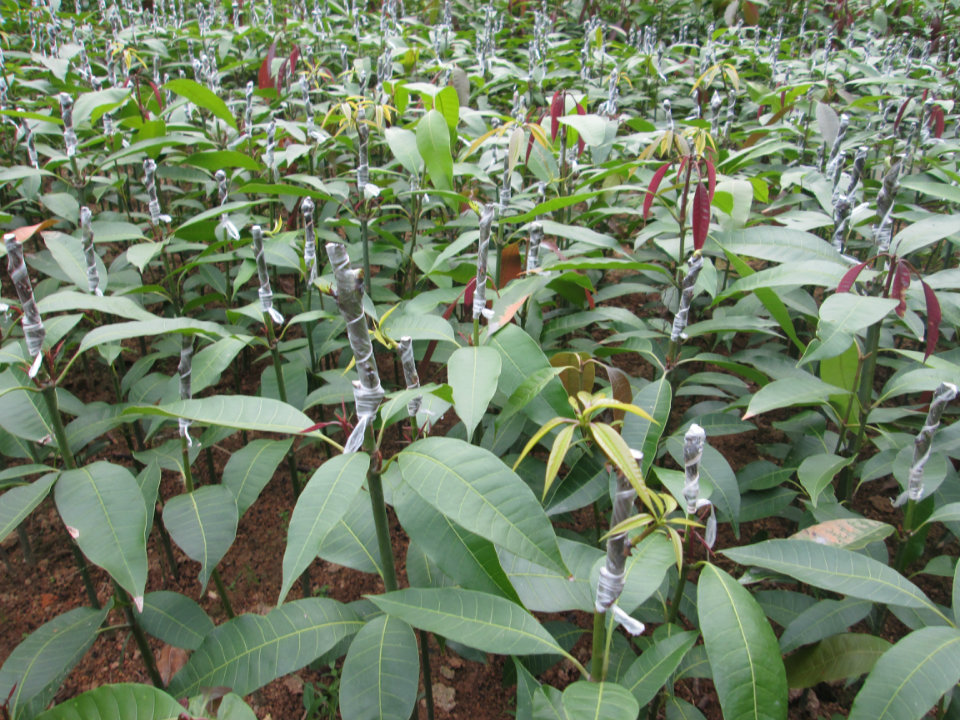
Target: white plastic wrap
(265, 292)
(921, 445)
(69, 134)
(89, 254)
(410, 375)
(480, 292)
(695, 263)
(185, 370)
(33, 330)
(310, 240)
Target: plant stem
(599, 643)
(365, 244)
(123, 599)
(425, 669)
(864, 395)
(682, 580)
(224, 597)
(282, 390)
(375, 485)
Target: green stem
(425, 669)
(865, 396)
(682, 580)
(282, 390)
(145, 652)
(224, 597)
(599, 643)
(365, 244)
(375, 485)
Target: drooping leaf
(826, 618)
(653, 187)
(701, 215)
(204, 524)
(321, 505)
(235, 411)
(478, 620)
(17, 503)
(850, 277)
(606, 700)
(433, 142)
(122, 701)
(817, 471)
(175, 619)
(403, 145)
(33, 671)
(473, 373)
(476, 490)
(748, 671)
(911, 676)
(251, 467)
(788, 392)
(656, 664)
(103, 509)
(933, 320)
(832, 568)
(852, 533)
(203, 97)
(250, 651)
(839, 657)
(381, 672)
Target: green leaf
(521, 356)
(924, 233)
(826, 618)
(852, 533)
(204, 524)
(418, 327)
(22, 413)
(910, 677)
(248, 652)
(600, 701)
(403, 145)
(782, 246)
(175, 619)
(18, 502)
(37, 666)
(653, 668)
(592, 128)
(641, 434)
(433, 142)
(473, 373)
(103, 509)
(839, 657)
(476, 490)
(214, 160)
(544, 590)
(680, 709)
(250, 468)
(644, 571)
(123, 701)
(817, 471)
(842, 315)
(325, 499)
(235, 411)
(353, 541)
(748, 671)
(63, 205)
(70, 300)
(448, 103)
(381, 673)
(831, 568)
(202, 97)
(116, 332)
(787, 392)
(467, 558)
(810, 272)
(478, 620)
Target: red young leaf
(581, 110)
(25, 233)
(580, 143)
(711, 178)
(156, 94)
(531, 141)
(467, 298)
(653, 187)
(933, 319)
(898, 289)
(850, 277)
(282, 73)
(264, 79)
(937, 120)
(294, 56)
(556, 110)
(701, 216)
(903, 109)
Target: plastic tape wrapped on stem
(150, 182)
(921, 445)
(310, 241)
(367, 393)
(410, 375)
(693, 442)
(480, 292)
(185, 369)
(33, 330)
(225, 222)
(265, 293)
(533, 250)
(69, 134)
(93, 275)
(686, 295)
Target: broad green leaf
(783, 246)
(64, 205)
(955, 595)
(418, 327)
(680, 709)
(641, 434)
(644, 571)
(787, 392)
(23, 413)
(653, 668)
(214, 160)
(817, 471)
(103, 510)
(839, 657)
(476, 490)
(204, 524)
(18, 502)
(381, 673)
(911, 676)
(34, 670)
(810, 272)
(248, 652)
(831, 568)
(203, 97)
(70, 300)
(115, 332)
(578, 233)
(748, 671)
(123, 701)
(716, 471)
(447, 102)
(321, 505)
(592, 128)
(235, 411)
(175, 619)
(250, 468)
(842, 315)
(924, 233)
(544, 590)
(403, 145)
(826, 618)
(521, 356)
(478, 620)
(600, 701)
(473, 373)
(433, 142)
(853, 533)
(470, 560)
(353, 541)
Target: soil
(34, 593)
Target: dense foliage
(600, 236)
